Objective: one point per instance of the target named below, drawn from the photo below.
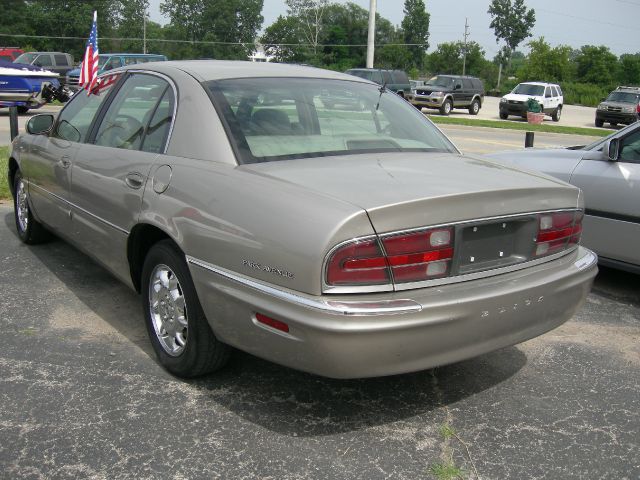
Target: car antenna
(382, 89)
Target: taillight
(410, 257)
(420, 256)
(358, 263)
(557, 231)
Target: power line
(599, 22)
(206, 42)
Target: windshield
(441, 81)
(624, 97)
(286, 118)
(26, 58)
(102, 59)
(529, 89)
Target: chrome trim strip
(447, 280)
(348, 308)
(73, 205)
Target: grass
(5, 194)
(447, 471)
(594, 132)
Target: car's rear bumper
(360, 336)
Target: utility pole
(144, 31)
(464, 52)
(371, 37)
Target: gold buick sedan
(308, 217)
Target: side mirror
(457, 87)
(611, 149)
(39, 124)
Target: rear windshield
(529, 89)
(625, 97)
(287, 118)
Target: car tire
(446, 107)
(178, 329)
(555, 116)
(474, 108)
(29, 229)
(599, 123)
(504, 116)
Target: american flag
(104, 82)
(89, 70)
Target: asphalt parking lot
(81, 395)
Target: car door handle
(65, 161)
(134, 180)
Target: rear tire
(474, 108)
(29, 229)
(599, 123)
(446, 107)
(177, 327)
(555, 116)
(504, 116)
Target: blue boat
(26, 86)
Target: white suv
(548, 95)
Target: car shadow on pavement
(277, 398)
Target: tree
(285, 30)
(415, 29)
(231, 26)
(597, 65)
(511, 22)
(447, 58)
(310, 13)
(546, 63)
(629, 69)
(131, 23)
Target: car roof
(132, 54)
(204, 70)
(539, 83)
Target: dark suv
(446, 92)
(621, 106)
(395, 80)
(57, 62)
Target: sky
(613, 23)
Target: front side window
(124, 124)
(440, 81)
(76, 118)
(630, 148)
(287, 118)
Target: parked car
(608, 172)
(621, 106)
(415, 84)
(395, 80)
(56, 62)
(343, 242)
(548, 95)
(110, 61)
(9, 54)
(446, 92)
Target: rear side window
(400, 77)
(547, 92)
(160, 124)
(477, 84)
(386, 77)
(43, 61)
(467, 84)
(124, 124)
(61, 60)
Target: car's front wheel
(446, 107)
(29, 229)
(599, 123)
(177, 327)
(503, 116)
